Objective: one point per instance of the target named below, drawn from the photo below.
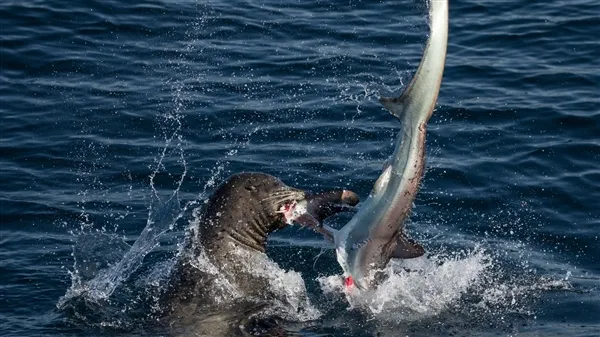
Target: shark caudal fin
(419, 97)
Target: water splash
(161, 219)
(290, 298)
(220, 290)
(470, 285)
(162, 216)
(416, 288)
(427, 287)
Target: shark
(376, 234)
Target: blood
(289, 206)
(349, 281)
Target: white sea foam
(290, 288)
(425, 287)
(290, 299)
(416, 288)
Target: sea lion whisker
(280, 200)
(284, 198)
(279, 195)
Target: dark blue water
(109, 108)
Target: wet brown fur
(240, 214)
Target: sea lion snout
(315, 208)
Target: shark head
(363, 255)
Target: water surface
(109, 108)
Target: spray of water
(290, 297)
(472, 285)
(162, 217)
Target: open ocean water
(119, 118)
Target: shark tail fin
(419, 97)
(407, 248)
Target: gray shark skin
(376, 232)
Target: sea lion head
(248, 206)
(275, 200)
(290, 205)
(244, 210)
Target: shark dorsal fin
(395, 105)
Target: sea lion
(217, 264)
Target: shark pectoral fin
(327, 232)
(407, 249)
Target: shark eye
(250, 188)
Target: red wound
(349, 281)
